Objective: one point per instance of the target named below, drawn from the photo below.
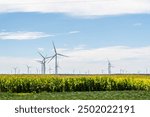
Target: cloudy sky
(89, 31)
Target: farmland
(73, 83)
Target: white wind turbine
(15, 70)
(56, 58)
(28, 69)
(109, 67)
(43, 63)
(37, 70)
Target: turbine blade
(54, 47)
(41, 55)
(51, 58)
(48, 57)
(62, 55)
(28, 66)
(39, 61)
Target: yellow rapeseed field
(67, 83)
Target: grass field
(103, 95)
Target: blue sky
(122, 34)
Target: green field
(101, 95)
(74, 87)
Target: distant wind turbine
(146, 71)
(43, 63)
(109, 67)
(28, 69)
(73, 71)
(88, 72)
(11, 72)
(19, 71)
(56, 58)
(102, 71)
(37, 70)
(121, 71)
(15, 70)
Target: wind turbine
(102, 71)
(11, 72)
(19, 71)
(73, 71)
(15, 70)
(109, 67)
(121, 71)
(146, 71)
(28, 69)
(88, 72)
(56, 58)
(43, 63)
(37, 70)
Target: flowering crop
(66, 83)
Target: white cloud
(22, 35)
(41, 49)
(113, 53)
(67, 33)
(77, 7)
(19, 35)
(94, 60)
(137, 24)
(74, 32)
(122, 57)
(80, 47)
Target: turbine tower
(28, 69)
(121, 71)
(146, 71)
(102, 71)
(56, 58)
(37, 70)
(15, 70)
(43, 63)
(73, 71)
(109, 67)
